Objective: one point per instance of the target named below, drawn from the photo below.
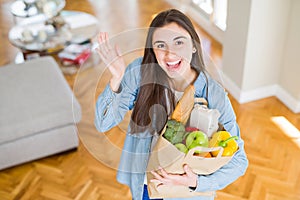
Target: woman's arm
(112, 106)
(113, 59)
(218, 99)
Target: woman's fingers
(162, 178)
(189, 178)
(103, 42)
(188, 170)
(101, 38)
(106, 52)
(164, 173)
(108, 46)
(156, 176)
(112, 58)
(118, 51)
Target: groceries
(193, 124)
(185, 139)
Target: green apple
(195, 139)
(181, 147)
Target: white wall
(235, 41)
(290, 72)
(265, 43)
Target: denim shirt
(111, 108)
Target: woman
(151, 87)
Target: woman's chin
(174, 74)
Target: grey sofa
(38, 112)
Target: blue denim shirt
(111, 108)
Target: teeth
(173, 63)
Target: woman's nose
(170, 53)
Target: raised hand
(112, 59)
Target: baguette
(184, 106)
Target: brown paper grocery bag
(203, 165)
(167, 156)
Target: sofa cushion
(35, 97)
(37, 146)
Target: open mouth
(173, 65)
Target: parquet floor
(269, 129)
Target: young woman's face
(173, 49)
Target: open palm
(112, 59)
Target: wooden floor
(270, 130)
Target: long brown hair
(155, 100)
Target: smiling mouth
(173, 65)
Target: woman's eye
(160, 46)
(179, 42)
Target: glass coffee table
(37, 36)
(29, 8)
